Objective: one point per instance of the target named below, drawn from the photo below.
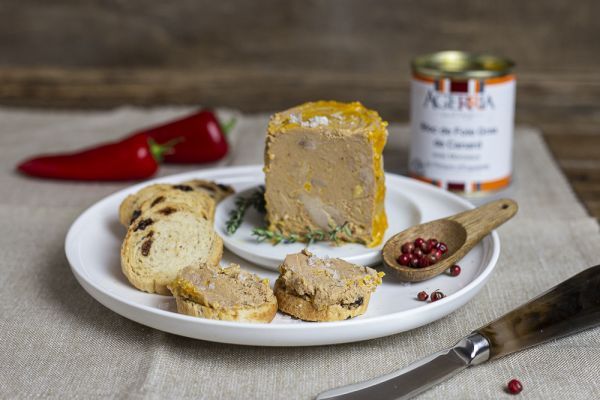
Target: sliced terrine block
(324, 168)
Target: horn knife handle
(570, 307)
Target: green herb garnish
(311, 235)
(256, 200)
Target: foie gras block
(324, 168)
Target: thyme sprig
(311, 235)
(257, 200)
(236, 216)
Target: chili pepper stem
(159, 150)
(228, 126)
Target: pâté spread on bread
(324, 168)
(324, 289)
(229, 294)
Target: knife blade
(568, 308)
(419, 376)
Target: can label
(462, 132)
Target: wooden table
(579, 157)
(564, 106)
(268, 55)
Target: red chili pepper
(132, 158)
(199, 138)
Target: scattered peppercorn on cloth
(58, 342)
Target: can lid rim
(461, 65)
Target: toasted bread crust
(201, 195)
(215, 190)
(198, 202)
(305, 310)
(134, 201)
(261, 314)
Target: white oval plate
(401, 212)
(93, 246)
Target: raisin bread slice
(197, 202)
(129, 210)
(154, 195)
(229, 294)
(165, 240)
(215, 190)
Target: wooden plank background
(266, 55)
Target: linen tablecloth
(58, 342)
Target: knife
(568, 308)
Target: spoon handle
(482, 220)
(569, 307)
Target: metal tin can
(462, 120)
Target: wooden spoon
(461, 232)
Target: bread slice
(163, 241)
(154, 195)
(215, 190)
(197, 202)
(304, 309)
(229, 294)
(314, 289)
(129, 208)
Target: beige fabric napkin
(58, 342)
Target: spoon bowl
(460, 232)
